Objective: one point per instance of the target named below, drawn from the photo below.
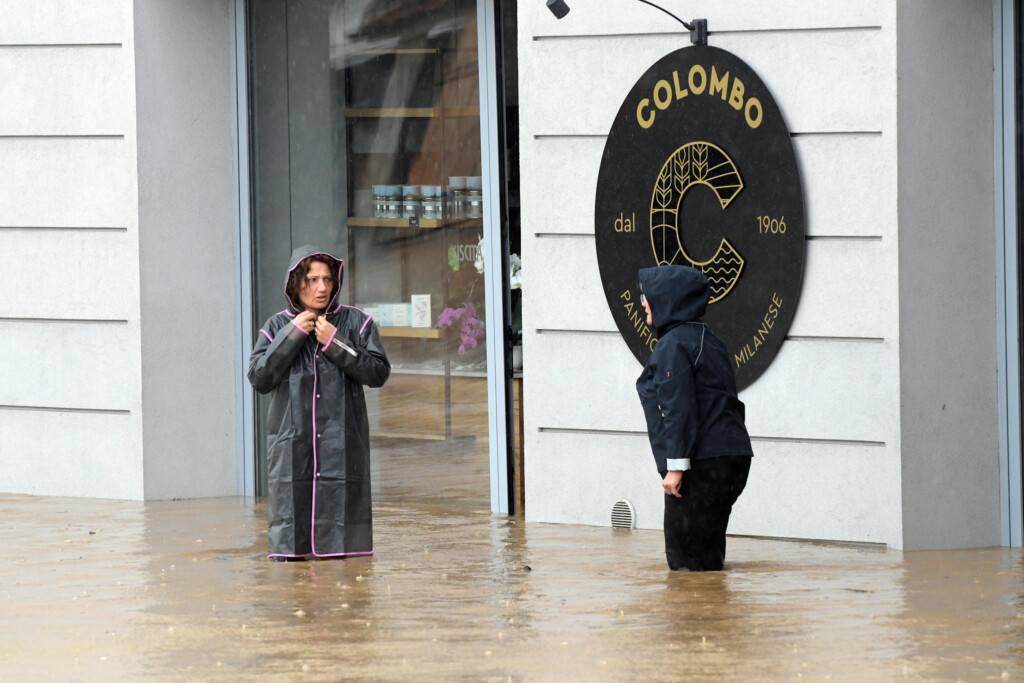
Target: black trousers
(695, 524)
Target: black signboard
(699, 170)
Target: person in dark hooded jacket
(313, 358)
(695, 420)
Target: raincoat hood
(676, 295)
(303, 252)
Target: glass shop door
(366, 142)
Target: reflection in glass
(367, 143)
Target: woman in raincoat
(695, 419)
(313, 358)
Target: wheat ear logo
(696, 163)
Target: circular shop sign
(699, 170)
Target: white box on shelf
(400, 314)
(372, 310)
(420, 310)
(384, 318)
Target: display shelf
(460, 112)
(395, 51)
(411, 112)
(393, 113)
(368, 222)
(422, 223)
(408, 435)
(410, 332)
(472, 374)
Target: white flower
(479, 262)
(515, 266)
(515, 274)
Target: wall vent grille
(623, 515)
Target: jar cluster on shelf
(461, 198)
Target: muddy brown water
(181, 590)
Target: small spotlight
(558, 8)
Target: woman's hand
(671, 483)
(305, 320)
(324, 330)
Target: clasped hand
(671, 483)
(310, 322)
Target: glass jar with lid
(379, 198)
(431, 202)
(392, 201)
(410, 201)
(474, 198)
(456, 197)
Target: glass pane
(367, 144)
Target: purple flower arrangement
(471, 328)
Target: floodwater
(181, 590)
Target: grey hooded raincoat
(318, 440)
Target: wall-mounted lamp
(698, 28)
(558, 8)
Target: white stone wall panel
(846, 284)
(67, 183)
(63, 22)
(601, 469)
(564, 180)
(844, 82)
(848, 181)
(784, 495)
(614, 17)
(92, 370)
(93, 275)
(63, 90)
(80, 454)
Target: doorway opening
(366, 142)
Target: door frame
(1008, 209)
(492, 162)
(245, 405)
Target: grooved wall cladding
(825, 416)
(70, 385)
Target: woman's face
(316, 290)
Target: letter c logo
(695, 163)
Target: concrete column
(947, 303)
(186, 260)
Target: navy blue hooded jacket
(687, 388)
